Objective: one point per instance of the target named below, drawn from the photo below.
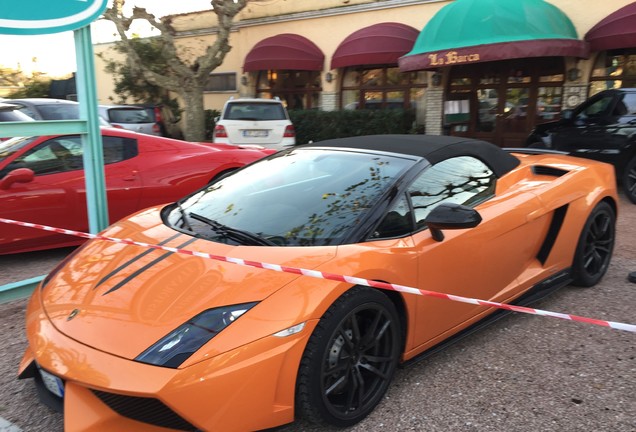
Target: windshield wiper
(244, 237)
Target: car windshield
(303, 197)
(9, 147)
(254, 111)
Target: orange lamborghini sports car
(128, 338)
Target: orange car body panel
(244, 379)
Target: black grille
(548, 171)
(146, 410)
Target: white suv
(263, 122)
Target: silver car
(130, 117)
(247, 121)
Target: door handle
(131, 177)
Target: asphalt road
(523, 373)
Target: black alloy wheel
(350, 359)
(629, 180)
(595, 246)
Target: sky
(54, 54)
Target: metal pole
(96, 200)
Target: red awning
(380, 43)
(284, 51)
(617, 30)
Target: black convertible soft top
(433, 148)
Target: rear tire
(629, 180)
(350, 359)
(595, 246)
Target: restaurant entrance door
(500, 102)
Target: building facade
(483, 68)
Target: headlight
(184, 341)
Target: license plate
(52, 383)
(255, 133)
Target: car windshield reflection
(303, 197)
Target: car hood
(121, 299)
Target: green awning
(470, 31)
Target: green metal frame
(89, 130)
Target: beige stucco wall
(336, 20)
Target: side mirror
(451, 216)
(20, 175)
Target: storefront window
(298, 89)
(381, 88)
(372, 78)
(549, 101)
(613, 69)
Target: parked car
(42, 180)
(255, 121)
(134, 118)
(224, 347)
(48, 109)
(10, 112)
(165, 119)
(51, 109)
(602, 128)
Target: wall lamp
(244, 80)
(436, 79)
(574, 74)
(328, 77)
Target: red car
(42, 180)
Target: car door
(482, 262)
(57, 194)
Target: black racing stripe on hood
(132, 260)
(147, 266)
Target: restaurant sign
(452, 58)
(33, 17)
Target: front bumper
(246, 389)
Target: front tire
(595, 246)
(629, 180)
(350, 359)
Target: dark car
(601, 128)
(48, 109)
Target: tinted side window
(461, 180)
(597, 108)
(117, 149)
(64, 154)
(397, 222)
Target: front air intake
(145, 410)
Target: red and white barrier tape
(336, 277)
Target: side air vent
(548, 171)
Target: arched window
(381, 87)
(613, 69)
(298, 89)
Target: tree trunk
(194, 114)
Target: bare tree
(186, 78)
